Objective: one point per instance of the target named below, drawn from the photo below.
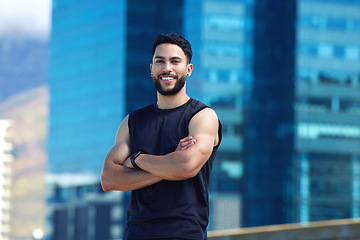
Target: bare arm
(114, 175)
(180, 165)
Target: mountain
(28, 111)
(23, 64)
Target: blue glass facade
(87, 103)
(327, 110)
(269, 139)
(87, 83)
(220, 33)
(99, 71)
(145, 20)
(313, 175)
(285, 87)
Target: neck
(173, 101)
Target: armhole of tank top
(200, 109)
(219, 134)
(129, 121)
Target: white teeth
(167, 78)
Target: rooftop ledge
(343, 229)
(348, 229)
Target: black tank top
(168, 208)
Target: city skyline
(323, 102)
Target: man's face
(169, 69)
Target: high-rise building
(87, 82)
(100, 55)
(220, 33)
(303, 136)
(80, 210)
(99, 71)
(281, 77)
(87, 103)
(269, 140)
(5, 179)
(327, 107)
(146, 19)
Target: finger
(186, 139)
(188, 144)
(192, 141)
(184, 143)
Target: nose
(167, 67)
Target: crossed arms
(185, 162)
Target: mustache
(166, 74)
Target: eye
(175, 61)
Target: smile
(167, 78)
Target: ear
(189, 69)
(150, 67)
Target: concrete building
(80, 210)
(5, 179)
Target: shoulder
(122, 133)
(206, 114)
(202, 110)
(203, 113)
(207, 121)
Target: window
(318, 130)
(337, 23)
(325, 50)
(352, 53)
(213, 76)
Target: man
(164, 153)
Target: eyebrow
(172, 58)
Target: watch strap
(132, 159)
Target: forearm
(121, 178)
(173, 166)
(184, 163)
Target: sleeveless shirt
(168, 208)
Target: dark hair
(174, 39)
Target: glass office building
(87, 103)
(328, 110)
(220, 33)
(87, 83)
(285, 87)
(313, 175)
(146, 19)
(99, 71)
(269, 117)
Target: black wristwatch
(132, 159)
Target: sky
(25, 18)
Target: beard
(178, 86)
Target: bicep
(121, 149)
(204, 128)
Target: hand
(185, 143)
